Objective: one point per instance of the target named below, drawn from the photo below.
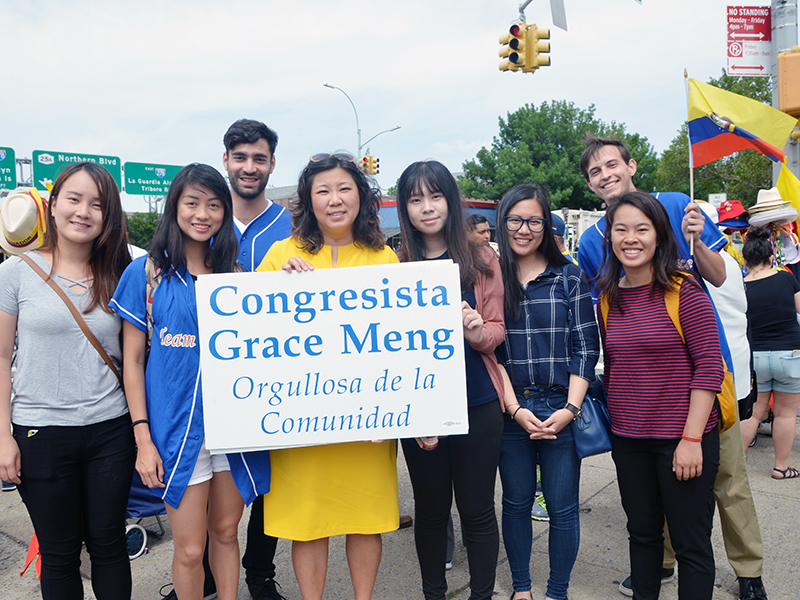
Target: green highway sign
(146, 179)
(48, 164)
(8, 169)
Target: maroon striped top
(649, 371)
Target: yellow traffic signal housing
(512, 48)
(789, 83)
(363, 164)
(373, 165)
(534, 48)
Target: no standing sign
(749, 36)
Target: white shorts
(207, 465)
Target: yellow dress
(320, 491)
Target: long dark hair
(666, 275)
(167, 250)
(508, 261)
(758, 248)
(110, 253)
(366, 227)
(434, 176)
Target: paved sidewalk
(602, 561)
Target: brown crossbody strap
(78, 318)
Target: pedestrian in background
(773, 303)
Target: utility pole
(358, 127)
(784, 37)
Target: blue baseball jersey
(271, 226)
(173, 382)
(590, 251)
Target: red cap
(730, 209)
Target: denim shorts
(778, 371)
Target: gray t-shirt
(60, 378)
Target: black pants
(650, 491)
(466, 465)
(75, 484)
(259, 554)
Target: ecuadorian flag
(721, 123)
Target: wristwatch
(574, 410)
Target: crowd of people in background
(95, 395)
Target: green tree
(544, 144)
(141, 227)
(739, 175)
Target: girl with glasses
(432, 227)
(550, 359)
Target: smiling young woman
(203, 493)
(550, 359)
(71, 453)
(665, 436)
(432, 226)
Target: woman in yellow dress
(336, 489)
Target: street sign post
(749, 37)
(146, 179)
(8, 169)
(48, 164)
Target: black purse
(592, 428)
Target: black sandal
(787, 473)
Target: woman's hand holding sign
(473, 323)
(296, 263)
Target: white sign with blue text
(332, 355)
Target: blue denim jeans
(560, 469)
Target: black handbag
(592, 428)
(746, 403)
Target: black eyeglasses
(338, 155)
(535, 224)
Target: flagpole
(691, 159)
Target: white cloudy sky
(160, 81)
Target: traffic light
(789, 82)
(373, 166)
(369, 164)
(512, 48)
(534, 48)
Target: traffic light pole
(358, 127)
(522, 8)
(395, 128)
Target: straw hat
(768, 200)
(22, 222)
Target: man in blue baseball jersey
(249, 159)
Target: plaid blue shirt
(535, 350)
